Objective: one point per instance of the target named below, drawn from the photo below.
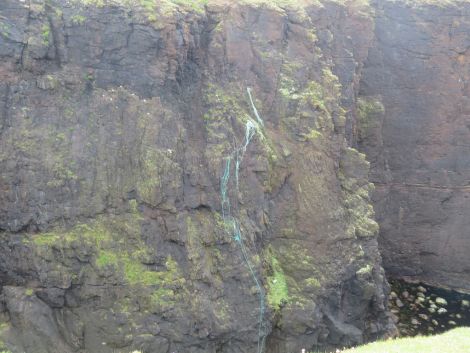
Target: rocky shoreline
(420, 309)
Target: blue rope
(250, 131)
(260, 121)
(223, 189)
(232, 224)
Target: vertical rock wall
(116, 126)
(414, 126)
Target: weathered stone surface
(115, 128)
(415, 130)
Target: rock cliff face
(414, 126)
(148, 202)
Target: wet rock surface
(420, 309)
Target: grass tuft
(278, 292)
(454, 341)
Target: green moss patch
(45, 33)
(356, 190)
(278, 292)
(369, 110)
(106, 258)
(118, 250)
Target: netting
(260, 121)
(232, 223)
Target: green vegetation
(364, 270)
(4, 29)
(4, 326)
(106, 258)
(224, 105)
(134, 206)
(356, 197)
(369, 110)
(155, 10)
(366, 106)
(316, 96)
(314, 135)
(118, 250)
(317, 101)
(303, 3)
(218, 122)
(136, 273)
(152, 9)
(78, 19)
(288, 87)
(278, 292)
(296, 273)
(312, 283)
(45, 33)
(454, 341)
(196, 5)
(58, 12)
(362, 217)
(229, 112)
(156, 164)
(97, 3)
(328, 92)
(95, 234)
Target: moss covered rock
(176, 176)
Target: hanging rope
(232, 224)
(260, 121)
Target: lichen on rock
(115, 137)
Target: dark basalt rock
(428, 310)
(115, 126)
(415, 131)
